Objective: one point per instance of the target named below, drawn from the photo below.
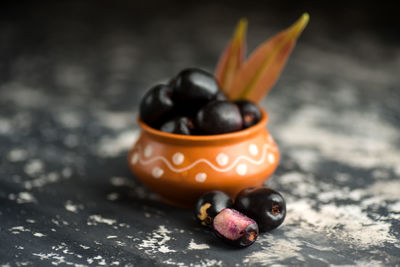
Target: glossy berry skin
(219, 117)
(235, 228)
(250, 112)
(266, 206)
(156, 105)
(209, 205)
(179, 125)
(220, 96)
(193, 88)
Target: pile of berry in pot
(255, 209)
(192, 103)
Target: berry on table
(210, 204)
(235, 228)
(266, 206)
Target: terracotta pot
(180, 168)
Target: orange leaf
(232, 58)
(260, 72)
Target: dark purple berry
(219, 117)
(156, 105)
(210, 204)
(250, 112)
(266, 206)
(179, 125)
(193, 88)
(235, 228)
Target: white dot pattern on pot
(178, 158)
(241, 169)
(148, 151)
(253, 149)
(222, 159)
(201, 177)
(157, 172)
(271, 158)
(135, 158)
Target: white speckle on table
(306, 158)
(95, 219)
(358, 229)
(175, 263)
(23, 96)
(368, 263)
(39, 235)
(395, 207)
(42, 180)
(71, 140)
(194, 246)
(33, 167)
(120, 243)
(84, 247)
(277, 250)
(156, 241)
(70, 206)
(371, 142)
(114, 146)
(56, 259)
(43, 256)
(207, 263)
(30, 221)
(5, 126)
(69, 119)
(18, 229)
(111, 237)
(17, 154)
(66, 172)
(390, 189)
(116, 120)
(118, 181)
(113, 196)
(22, 197)
(100, 260)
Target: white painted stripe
(242, 157)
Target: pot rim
(208, 138)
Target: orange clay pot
(180, 168)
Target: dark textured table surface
(71, 77)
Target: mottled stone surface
(71, 76)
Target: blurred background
(118, 49)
